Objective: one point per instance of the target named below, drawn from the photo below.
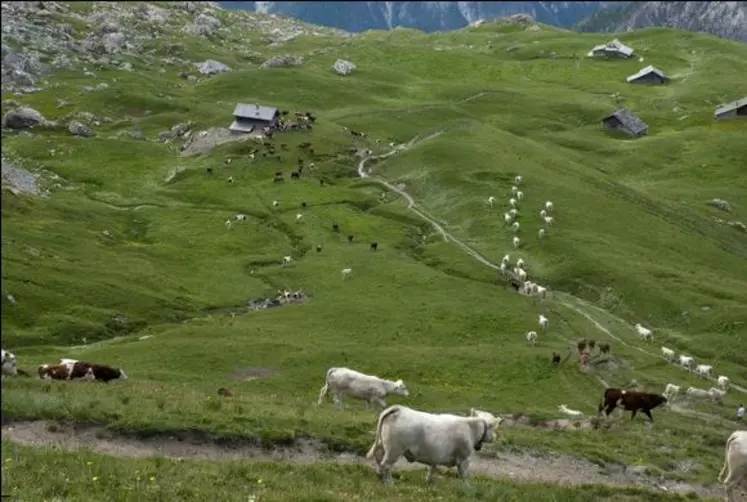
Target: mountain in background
(425, 16)
(723, 19)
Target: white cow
(507, 218)
(549, 220)
(521, 273)
(355, 384)
(645, 333)
(540, 291)
(275, 203)
(241, 217)
(734, 472)
(723, 382)
(668, 354)
(513, 212)
(532, 337)
(229, 224)
(514, 189)
(299, 217)
(549, 206)
(513, 202)
(703, 370)
(519, 195)
(287, 259)
(542, 233)
(543, 214)
(503, 269)
(717, 395)
(491, 201)
(518, 180)
(431, 439)
(515, 227)
(671, 391)
(346, 272)
(506, 259)
(543, 321)
(687, 362)
(698, 393)
(9, 364)
(566, 410)
(517, 242)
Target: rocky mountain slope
(426, 16)
(723, 19)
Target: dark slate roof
(239, 127)
(629, 120)
(613, 46)
(646, 71)
(253, 111)
(731, 106)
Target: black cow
(632, 400)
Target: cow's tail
(382, 416)
(722, 474)
(325, 387)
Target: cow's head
(490, 422)
(122, 375)
(400, 388)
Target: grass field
(634, 241)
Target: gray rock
(720, 204)
(343, 67)
(113, 42)
(125, 66)
(199, 30)
(283, 61)
(24, 118)
(211, 67)
(109, 27)
(79, 129)
(637, 470)
(205, 20)
(21, 69)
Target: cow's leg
(610, 409)
(632, 415)
(391, 455)
(463, 469)
(338, 399)
(380, 402)
(648, 414)
(431, 474)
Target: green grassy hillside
(120, 266)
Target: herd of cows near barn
(447, 439)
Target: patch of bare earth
(202, 143)
(254, 373)
(516, 466)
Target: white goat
(532, 337)
(517, 242)
(644, 333)
(346, 272)
(544, 322)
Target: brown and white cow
(630, 400)
(70, 369)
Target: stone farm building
(648, 75)
(614, 49)
(625, 120)
(734, 110)
(247, 118)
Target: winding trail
(565, 299)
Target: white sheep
(549, 206)
(514, 213)
(703, 370)
(717, 395)
(667, 354)
(518, 180)
(520, 263)
(507, 218)
(514, 189)
(491, 201)
(549, 220)
(299, 217)
(515, 227)
(275, 203)
(519, 195)
(532, 337)
(544, 322)
(543, 214)
(517, 242)
(513, 202)
(541, 233)
(346, 272)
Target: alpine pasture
(129, 262)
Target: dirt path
(519, 467)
